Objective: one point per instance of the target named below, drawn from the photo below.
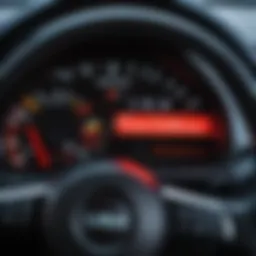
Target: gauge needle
(36, 142)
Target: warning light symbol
(92, 131)
(92, 127)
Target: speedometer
(153, 111)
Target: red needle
(42, 155)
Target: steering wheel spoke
(198, 215)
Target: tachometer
(157, 112)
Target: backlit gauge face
(153, 112)
(51, 129)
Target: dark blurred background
(240, 15)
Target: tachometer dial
(157, 112)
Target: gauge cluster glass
(153, 108)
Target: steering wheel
(120, 204)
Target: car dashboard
(127, 128)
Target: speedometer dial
(154, 112)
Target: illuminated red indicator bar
(174, 125)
